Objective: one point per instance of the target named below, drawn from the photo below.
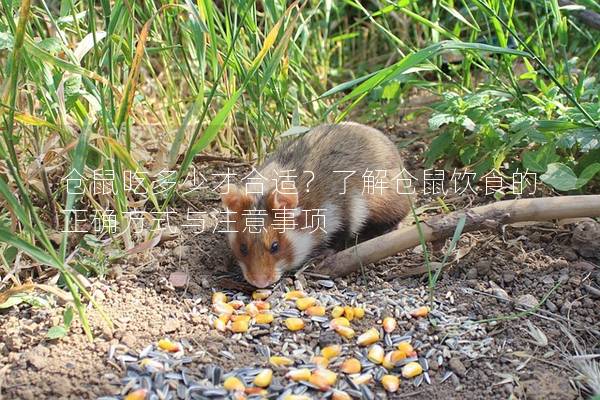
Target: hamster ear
(279, 201)
(235, 199)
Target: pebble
(483, 267)
(472, 273)
(551, 306)
(171, 325)
(508, 277)
(457, 367)
(527, 301)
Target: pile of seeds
(308, 347)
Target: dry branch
(479, 218)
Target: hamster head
(262, 249)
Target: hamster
(328, 201)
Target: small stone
(171, 325)
(178, 279)
(508, 277)
(548, 280)
(180, 252)
(483, 267)
(457, 367)
(129, 340)
(527, 301)
(551, 306)
(205, 283)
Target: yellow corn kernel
(239, 396)
(319, 381)
(369, 337)
(412, 369)
(349, 313)
(225, 317)
(305, 302)
(152, 364)
(363, 379)
(359, 312)
(345, 332)
(392, 358)
(340, 321)
(262, 305)
(420, 312)
(351, 366)
(264, 377)
(376, 354)
(297, 375)
(219, 325)
(222, 308)
(234, 384)
(167, 345)
(139, 394)
(236, 304)
(297, 397)
(315, 311)
(219, 297)
(240, 317)
(239, 326)
(337, 311)
(406, 348)
(391, 383)
(340, 395)
(256, 391)
(261, 294)
(263, 318)
(389, 324)
(281, 361)
(332, 351)
(320, 361)
(252, 310)
(329, 375)
(294, 324)
(294, 295)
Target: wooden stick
(479, 218)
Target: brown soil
(537, 260)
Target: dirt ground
(493, 276)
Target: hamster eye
(244, 249)
(274, 247)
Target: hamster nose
(260, 283)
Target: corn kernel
(222, 308)
(262, 305)
(363, 379)
(294, 295)
(340, 321)
(345, 332)
(406, 348)
(219, 325)
(225, 317)
(332, 351)
(319, 381)
(359, 312)
(240, 317)
(264, 377)
(263, 318)
(294, 324)
(297, 375)
(412, 369)
(320, 361)
(351, 366)
(256, 391)
(329, 375)
(369, 337)
(234, 384)
(376, 354)
(389, 324)
(390, 383)
(139, 394)
(167, 345)
(340, 395)
(240, 326)
(337, 311)
(152, 365)
(281, 361)
(219, 297)
(252, 310)
(305, 302)
(236, 304)
(261, 294)
(420, 312)
(239, 396)
(392, 358)
(297, 397)
(349, 313)
(315, 311)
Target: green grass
(85, 85)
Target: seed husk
(369, 337)
(264, 378)
(351, 366)
(412, 369)
(294, 324)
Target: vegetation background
(95, 88)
